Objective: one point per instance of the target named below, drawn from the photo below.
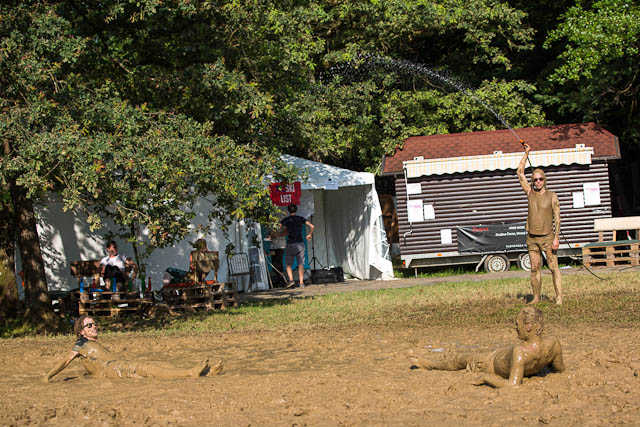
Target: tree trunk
(9, 299)
(8, 288)
(35, 284)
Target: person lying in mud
(507, 366)
(98, 361)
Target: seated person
(507, 366)
(98, 361)
(202, 261)
(116, 265)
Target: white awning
(321, 176)
(497, 161)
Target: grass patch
(614, 302)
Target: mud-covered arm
(60, 366)
(557, 364)
(515, 373)
(523, 179)
(490, 380)
(555, 206)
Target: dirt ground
(323, 377)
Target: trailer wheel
(524, 261)
(496, 263)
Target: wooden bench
(90, 269)
(100, 302)
(616, 224)
(614, 252)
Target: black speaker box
(327, 275)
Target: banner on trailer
(492, 238)
(283, 194)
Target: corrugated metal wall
(494, 197)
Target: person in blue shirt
(292, 228)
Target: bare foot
(535, 301)
(217, 368)
(201, 369)
(559, 301)
(420, 363)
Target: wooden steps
(96, 303)
(207, 296)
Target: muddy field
(323, 377)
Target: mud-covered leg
(451, 362)
(552, 260)
(536, 275)
(157, 371)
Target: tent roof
(323, 176)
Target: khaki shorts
(540, 243)
(483, 362)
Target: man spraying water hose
(543, 227)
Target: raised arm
(60, 366)
(555, 205)
(523, 179)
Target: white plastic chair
(238, 266)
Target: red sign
(283, 194)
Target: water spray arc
(364, 65)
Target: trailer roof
(604, 143)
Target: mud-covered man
(98, 361)
(543, 228)
(507, 366)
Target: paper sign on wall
(445, 236)
(429, 213)
(578, 199)
(591, 193)
(414, 211)
(414, 188)
(330, 185)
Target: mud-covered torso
(94, 356)
(535, 359)
(540, 217)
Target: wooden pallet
(112, 303)
(64, 302)
(216, 296)
(611, 254)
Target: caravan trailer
(447, 186)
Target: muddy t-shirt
(78, 346)
(540, 218)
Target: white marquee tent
(343, 205)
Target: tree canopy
(133, 110)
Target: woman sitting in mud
(508, 365)
(98, 361)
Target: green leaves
(596, 75)
(609, 30)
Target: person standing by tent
(543, 227)
(295, 243)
